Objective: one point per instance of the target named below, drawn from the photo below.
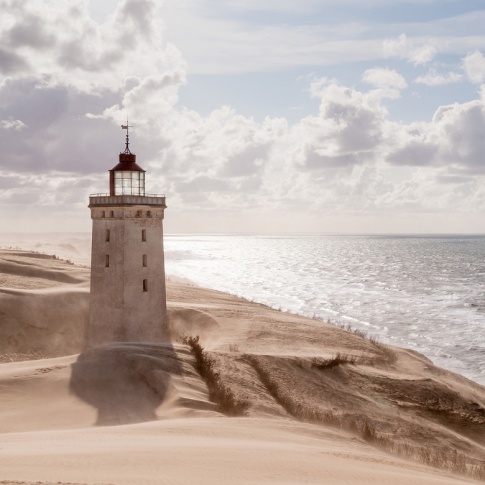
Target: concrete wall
(120, 309)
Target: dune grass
(451, 461)
(331, 362)
(225, 400)
(389, 355)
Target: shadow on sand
(124, 381)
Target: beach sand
(128, 413)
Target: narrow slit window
(107, 235)
(145, 285)
(143, 235)
(107, 261)
(103, 214)
(111, 213)
(144, 260)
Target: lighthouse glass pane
(118, 183)
(141, 181)
(129, 183)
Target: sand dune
(131, 413)
(43, 322)
(210, 450)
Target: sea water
(421, 292)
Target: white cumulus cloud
(65, 45)
(474, 66)
(384, 78)
(416, 52)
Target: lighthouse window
(144, 260)
(107, 235)
(143, 235)
(107, 261)
(145, 285)
(129, 183)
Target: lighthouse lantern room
(127, 178)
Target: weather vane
(126, 127)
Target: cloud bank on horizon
(312, 116)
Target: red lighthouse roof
(127, 161)
(127, 178)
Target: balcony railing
(105, 200)
(108, 195)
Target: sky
(267, 116)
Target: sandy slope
(210, 450)
(140, 413)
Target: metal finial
(126, 127)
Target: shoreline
(413, 326)
(346, 326)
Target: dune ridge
(140, 413)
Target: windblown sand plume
(242, 394)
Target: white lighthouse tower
(128, 298)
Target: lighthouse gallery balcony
(106, 200)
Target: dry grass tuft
(233, 347)
(390, 356)
(339, 359)
(225, 400)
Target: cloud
(384, 78)
(16, 125)
(349, 153)
(44, 128)
(458, 131)
(11, 63)
(70, 84)
(224, 151)
(416, 152)
(72, 73)
(63, 43)
(313, 160)
(434, 78)
(318, 86)
(30, 31)
(350, 125)
(136, 15)
(452, 140)
(247, 36)
(413, 51)
(230, 42)
(10, 181)
(474, 66)
(149, 99)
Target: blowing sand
(140, 413)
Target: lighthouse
(128, 297)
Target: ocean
(426, 293)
